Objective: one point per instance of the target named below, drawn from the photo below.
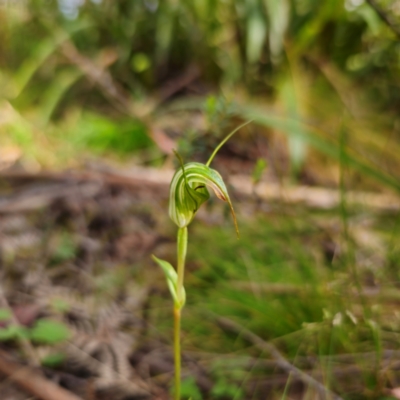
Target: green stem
(224, 141)
(177, 352)
(182, 247)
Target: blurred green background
(124, 82)
(84, 77)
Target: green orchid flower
(188, 191)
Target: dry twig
(99, 76)
(32, 381)
(315, 197)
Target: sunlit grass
(277, 282)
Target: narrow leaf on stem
(172, 281)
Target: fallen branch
(32, 381)
(317, 197)
(44, 194)
(251, 337)
(140, 177)
(101, 77)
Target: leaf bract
(172, 280)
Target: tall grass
(279, 283)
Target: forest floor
(305, 303)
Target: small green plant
(188, 191)
(190, 390)
(45, 331)
(225, 389)
(48, 331)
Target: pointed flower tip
(234, 219)
(237, 231)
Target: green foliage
(224, 276)
(53, 360)
(140, 62)
(65, 249)
(302, 133)
(295, 56)
(223, 389)
(13, 332)
(190, 390)
(297, 145)
(44, 331)
(102, 135)
(60, 305)
(5, 314)
(48, 331)
(259, 169)
(151, 35)
(275, 284)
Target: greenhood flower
(188, 192)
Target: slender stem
(224, 141)
(182, 247)
(177, 352)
